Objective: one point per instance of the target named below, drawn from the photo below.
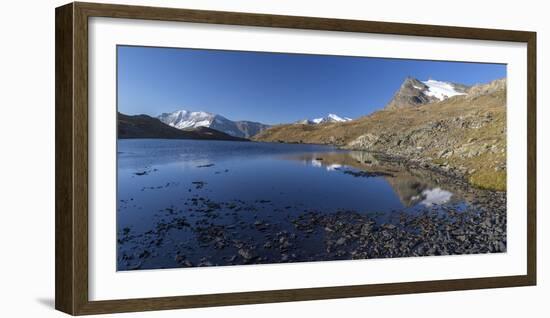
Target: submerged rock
(206, 165)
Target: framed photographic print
(218, 158)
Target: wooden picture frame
(71, 90)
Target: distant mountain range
(143, 126)
(415, 93)
(185, 124)
(184, 119)
(330, 118)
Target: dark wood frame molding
(71, 154)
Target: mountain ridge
(182, 119)
(144, 126)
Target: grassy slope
(462, 133)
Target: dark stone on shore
(246, 254)
(144, 254)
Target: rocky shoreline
(204, 232)
(458, 177)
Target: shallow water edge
(187, 205)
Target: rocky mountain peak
(414, 92)
(413, 83)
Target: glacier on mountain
(440, 90)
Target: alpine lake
(188, 203)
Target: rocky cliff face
(465, 134)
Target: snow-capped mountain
(185, 119)
(330, 118)
(415, 93)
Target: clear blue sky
(272, 87)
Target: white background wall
(27, 158)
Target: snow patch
(441, 90)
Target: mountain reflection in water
(413, 187)
(187, 203)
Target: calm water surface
(184, 189)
